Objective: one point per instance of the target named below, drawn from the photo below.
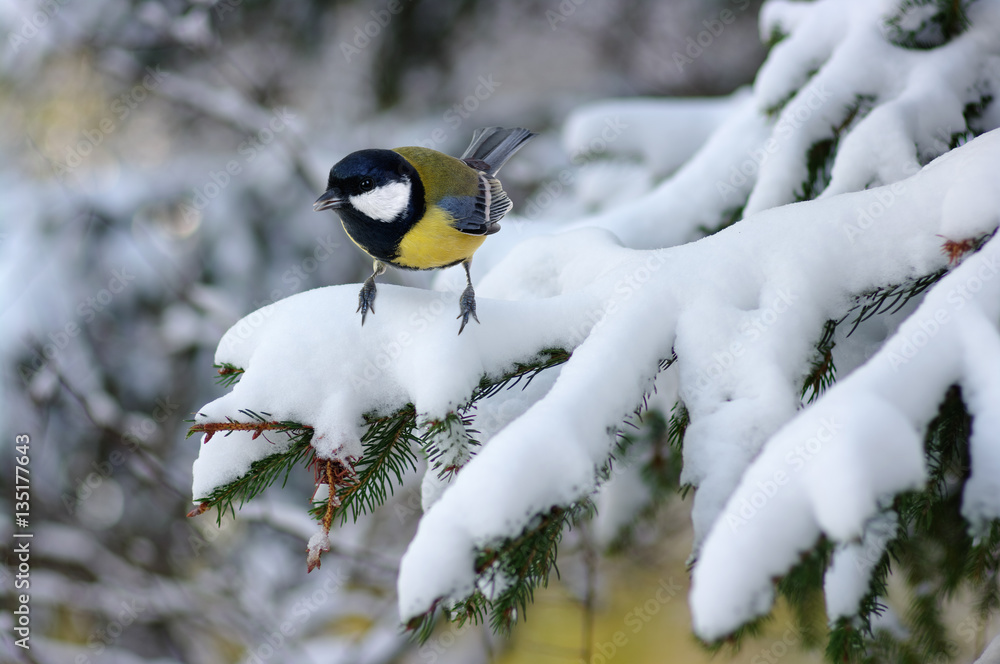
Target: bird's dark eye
(367, 184)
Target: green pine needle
(889, 299)
(264, 472)
(389, 447)
(947, 20)
(822, 371)
(229, 374)
(821, 154)
(514, 566)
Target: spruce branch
(659, 464)
(889, 299)
(973, 113)
(334, 474)
(731, 644)
(984, 573)
(546, 359)
(229, 374)
(512, 569)
(946, 20)
(821, 154)
(448, 443)
(647, 425)
(774, 110)
(388, 454)
(933, 552)
(263, 472)
(892, 298)
(822, 371)
(258, 427)
(389, 444)
(956, 250)
(802, 588)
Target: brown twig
(212, 428)
(201, 509)
(335, 474)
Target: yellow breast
(433, 242)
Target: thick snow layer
(827, 469)
(226, 458)
(739, 307)
(834, 56)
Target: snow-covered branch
(875, 140)
(740, 308)
(830, 468)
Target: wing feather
(490, 149)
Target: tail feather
(495, 145)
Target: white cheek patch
(384, 203)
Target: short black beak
(331, 200)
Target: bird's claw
(467, 304)
(366, 298)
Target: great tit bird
(419, 209)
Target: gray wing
(480, 214)
(491, 147)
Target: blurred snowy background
(160, 159)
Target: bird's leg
(366, 298)
(468, 300)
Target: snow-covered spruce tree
(826, 361)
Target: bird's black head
(379, 185)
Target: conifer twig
(212, 428)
